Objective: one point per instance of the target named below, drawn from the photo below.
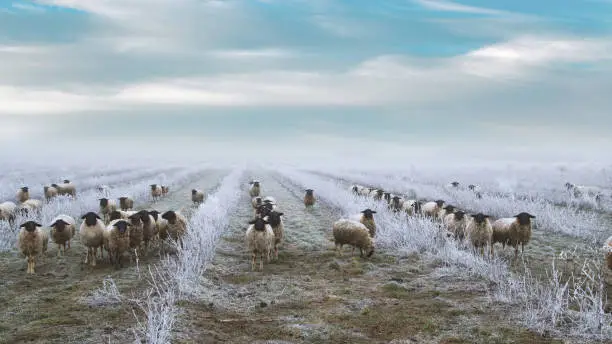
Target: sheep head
(170, 216)
(524, 218)
(455, 184)
(439, 202)
(459, 215)
(449, 208)
(153, 186)
(367, 213)
(274, 218)
(115, 215)
(309, 192)
(60, 225)
(122, 226)
(259, 224)
(155, 214)
(91, 218)
(480, 218)
(103, 202)
(25, 189)
(30, 226)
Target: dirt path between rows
(46, 307)
(311, 296)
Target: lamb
(117, 240)
(30, 205)
(608, 252)
(148, 228)
(7, 212)
(446, 210)
(479, 232)
(126, 203)
(256, 202)
(197, 197)
(455, 223)
(367, 219)
(260, 240)
(309, 198)
(432, 209)
(356, 234)
(63, 228)
(412, 207)
(255, 188)
(106, 207)
(67, 188)
(276, 222)
(23, 194)
(177, 225)
(32, 241)
(50, 192)
(91, 233)
(156, 191)
(513, 231)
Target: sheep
(377, 194)
(177, 225)
(260, 240)
(23, 194)
(160, 224)
(412, 207)
(148, 228)
(513, 231)
(32, 241)
(365, 191)
(126, 203)
(367, 219)
(91, 233)
(579, 191)
(63, 228)
(117, 240)
(50, 193)
(455, 223)
(387, 197)
(256, 202)
(608, 252)
(396, 204)
(355, 188)
(106, 207)
(136, 232)
(197, 197)
(479, 232)
(446, 210)
(276, 222)
(7, 212)
(103, 190)
(156, 191)
(66, 188)
(309, 198)
(165, 190)
(431, 209)
(356, 234)
(30, 205)
(255, 188)
(263, 210)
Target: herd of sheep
(120, 230)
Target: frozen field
(418, 287)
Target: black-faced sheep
(309, 198)
(513, 231)
(156, 191)
(148, 228)
(30, 206)
(106, 207)
(455, 223)
(177, 225)
(607, 248)
(66, 189)
(356, 234)
(432, 209)
(479, 232)
(8, 212)
(91, 233)
(23, 194)
(276, 222)
(63, 228)
(197, 196)
(50, 193)
(32, 241)
(255, 189)
(126, 203)
(366, 217)
(165, 190)
(260, 240)
(117, 240)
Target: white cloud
(253, 53)
(449, 6)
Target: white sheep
(412, 207)
(176, 228)
(456, 223)
(366, 218)
(67, 188)
(23, 194)
(103, 190)
(8, 211)
(156, 191)
(91, 233)
(160, 223)
(377, 194)
(446, 210)
(106, 207)
(148, 228)
(31, 206)
(480, 232)
(32, 241)
(260, 240)
(50, 193)
(165, 190)
(513, 231)
(63, 228)
(255, 189)
(432, 209)
(197, 196)
(356, 234)
(365, 191)
(580, 191)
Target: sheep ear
(53, 224)
(83, 217)
(252, 222)
(281, 214)
(373, 211)
(98, 217)
(532, 216)
(37, 224)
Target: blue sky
(509, 75)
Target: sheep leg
(492, 254)
(261, 259)
(93, 257)
(253, 255)
(516, 251)
(276, 252)
(339, 249)
(353, 251)
(33, 264)
(87, 255)
(29, 265)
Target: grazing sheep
(255, 188)
(106, 207)
(309, 198)
(30, 205)
(165, 190)
(7, 212)
(177, 225)
(23, 194)
(50, 192)
(479, 232)
(260, 240)
(432, 209)
(67, 188)
(446, 210)
(63, 228)
(608, 252)
(356, 234)
(276, 222)
(366, 218)
(126, 203)
(197, 196)
(412, 207)
(455, 223)
(91, 233)
(32, 241)
(396, 204)
(117, 240)
(156, 191)
(513, 231)
(148, 228)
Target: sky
(388, 79)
